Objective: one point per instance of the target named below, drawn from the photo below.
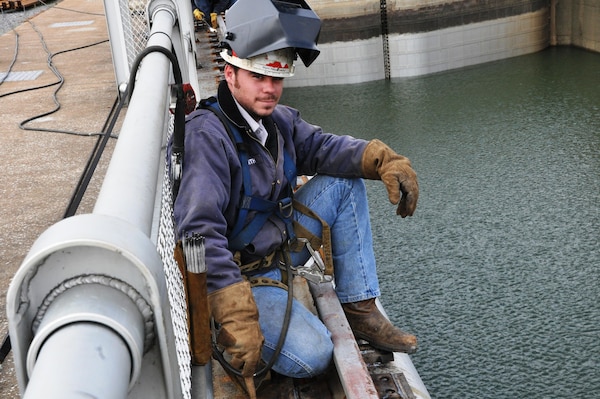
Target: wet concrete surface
(41, 169)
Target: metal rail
(352, 370)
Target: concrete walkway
(40, 169)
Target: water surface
(498, 271)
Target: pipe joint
(99, 300)
(156, 6)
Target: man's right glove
(234, 308)
(380, 162)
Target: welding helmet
(266, 36)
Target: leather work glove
(234, 308)
(380, 162)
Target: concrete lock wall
(376, 39)
(350, 44)
(577, 23)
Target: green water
(498, 271)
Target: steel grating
(70, 24)
(135, 27)
(165, 245)
(19, 76)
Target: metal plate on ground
(19, 76)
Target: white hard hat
(277, 63)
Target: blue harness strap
(242, 234)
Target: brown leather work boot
(369, 324)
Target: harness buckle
(286, 208)
(314, 269)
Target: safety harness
(242, 234)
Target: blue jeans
(342, 203)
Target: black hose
(60, 82)
(94, 159)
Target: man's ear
(229, 72)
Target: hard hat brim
(277, 64)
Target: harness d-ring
(286, 208)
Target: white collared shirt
(257, 127)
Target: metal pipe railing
(95, 315)
(129, 188)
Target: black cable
(60, 83)
(153, 49)
(288, 312)
(94, 159)
(5, 348)
(103, 140)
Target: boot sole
(403, 349)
